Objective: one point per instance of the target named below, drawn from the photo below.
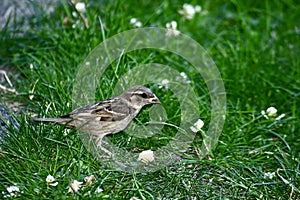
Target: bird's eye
(144, 95)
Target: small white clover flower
(80, 7)
(74, 14)
(133, 20)
(50, 180)
(135, 23)
(12, 191)
(164, 84)
(271, 111)
(197, 126)
(146, 156)
(189, 11)
(74, 186)
(198, 8)
(269, 175)
(183, 75)
(172, 29)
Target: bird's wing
(108, 110)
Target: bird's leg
(99, 141)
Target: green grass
(256, 48)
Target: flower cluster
(172, 29)
(188, 11)
(50, 180)
(269, 175)
(80, 8)
(75, 185)
(271, 113)
(135, 23)
(12, 191)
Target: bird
(108, 116)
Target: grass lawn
(255, 46)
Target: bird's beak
(154, 100)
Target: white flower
(50, 180)
(80, 7)
(74, 186)
(31, 97)
(12, 192)
(146, 156)
(135, 23)
(12, 189)
(172, 29)
(269, 175)
(133, 20)
(198, 8)
(74, 14)
(189, 11)
(183, 75)
(271, 111)
(164, 84)
(197, 126)
(138, 24)
(98, 190)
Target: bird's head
(139, 96)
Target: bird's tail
(57, 120)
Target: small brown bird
(108, 116)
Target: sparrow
(108, 116)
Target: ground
(255, 47)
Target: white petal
(197, 126)
(280, 117)
(271, 111)
(138, 24)
(269, 175)
(193, 129)
(74, 186)
(133, 20)
(80, 7)
(146, 156)
(165, 82)
(198, 8)
(50, 179)
(174, 25)
(98, 190)
(53, 184)
(263, 113)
